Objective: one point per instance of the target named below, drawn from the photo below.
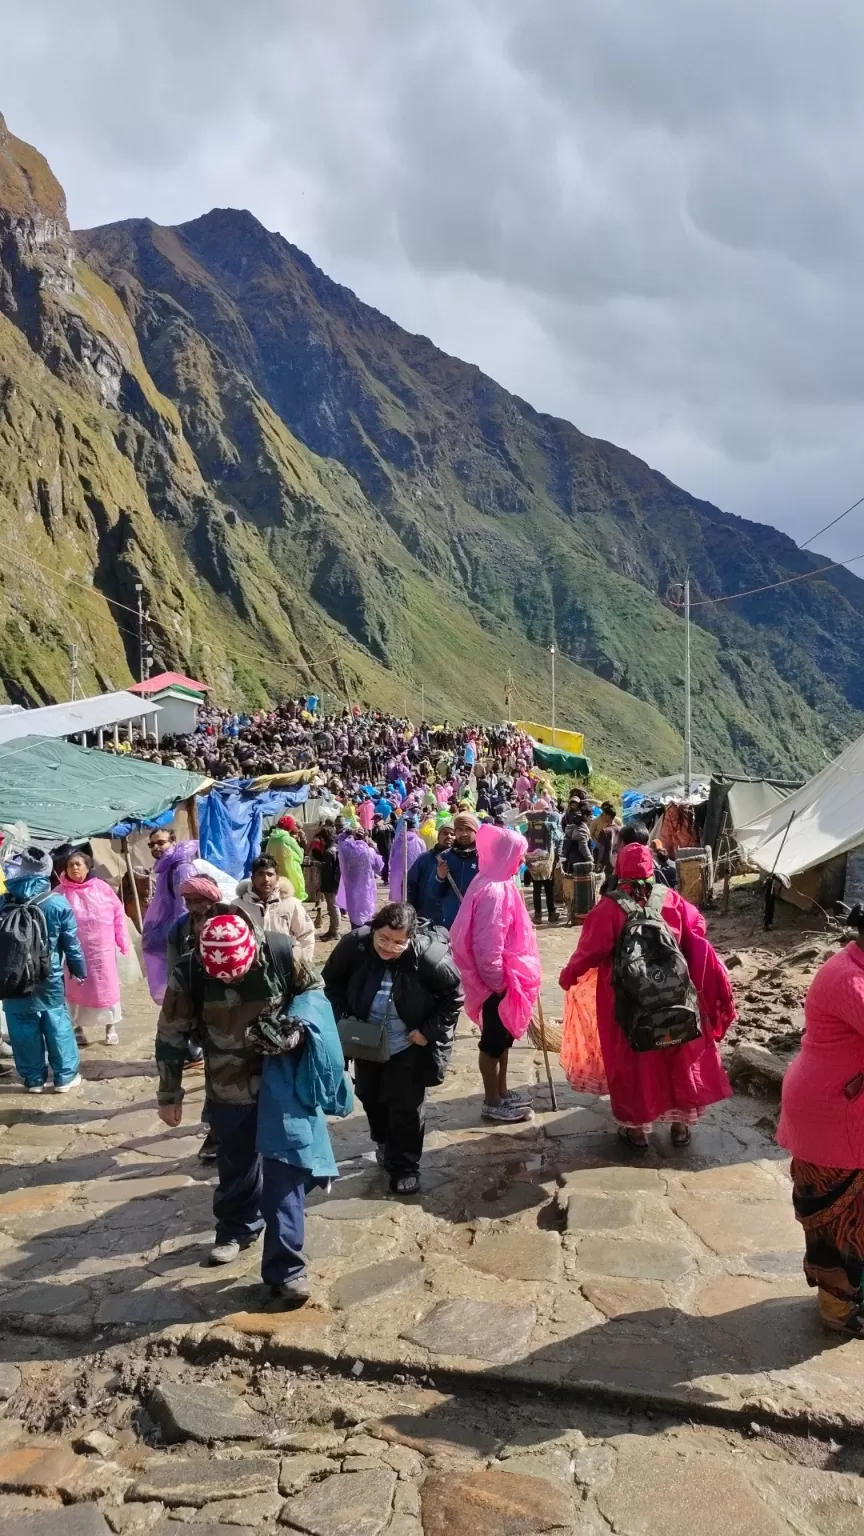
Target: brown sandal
(680, 1135)
(628, 1136)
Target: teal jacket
(298, 1092)
(60, 924)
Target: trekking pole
(552, 1093)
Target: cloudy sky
(644, 215)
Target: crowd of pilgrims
(274, 1007)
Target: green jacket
(218, 1015)
(288, 854)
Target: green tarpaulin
(66, 793)
(556, 761)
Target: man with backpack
(38, 932)
(663, 1000)
(230, 979)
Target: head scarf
(635, 863)
(287, 823)
(465, 821)
(203, 886)
(227, 946)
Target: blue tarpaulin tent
(231, 817)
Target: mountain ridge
(309, 493)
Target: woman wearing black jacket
(399, 972)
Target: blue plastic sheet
(231, 818)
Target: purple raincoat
(165, 910)
(416, 846)
(359, 864)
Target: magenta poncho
(101, 929)
(493, 939)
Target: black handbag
(362, 1040)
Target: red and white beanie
(227, 946)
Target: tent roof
(828, 820)
(66, 793)
(96, 714)
(165, 680)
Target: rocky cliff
(308, 492)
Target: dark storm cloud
(645, 216)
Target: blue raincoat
(40, 1026)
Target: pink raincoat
(676, 1084)
(101, 929)
(493, 939)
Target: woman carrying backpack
(648, 1076)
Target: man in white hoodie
(268, 898)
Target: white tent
(101, 713)
(814, 825)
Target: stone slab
(37, 1468)
(474, 1330)
(622, 1298)
(243, 1512)
(353, 1210)
(630, 1259)
(347, 1504)
(136, 1308)
(297, 1472)
(599, 1213)
(45, 1299)
(494, 1503)
(435, 1435)
(743, 1178)
(70, 1520)
(201, 1412)
(168, 1527)
(524, 1254)
(361, 1285)
(729, 1226)
(658, 1491)
(116, 1191)
(615, 1180)
(180, 1480)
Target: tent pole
(135, 896)
(192, 811)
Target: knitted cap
(227, 946)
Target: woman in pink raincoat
(94, 1002)
(674, 1085)
(495, 950)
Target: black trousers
(393, 1096)
(539, 887)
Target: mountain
(306, 491)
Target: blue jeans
(257, 1194)
(40, 1028)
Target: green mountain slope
(308, 493)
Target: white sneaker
(507, 1112)
(225, 1253)
(5, 1048)
(74, 1082)
(36, 1088)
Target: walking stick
(552, 1093)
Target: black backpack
(655, 1000)
(25, 962)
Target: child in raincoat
(496, 954)
(288, 854)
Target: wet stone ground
(537, 1261)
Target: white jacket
(283, 913)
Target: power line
(732, 597)
(833, 523)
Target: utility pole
(688, 746)
(552, 652)
(508, 695)
(148, 648)
(422, 702)
(139, 589)
(73, 667)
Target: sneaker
(292, 1293)
(517, 1096)
(5, 1048)
(225, 1253)
(111, 1036)
(35, 1087)
(508, 1112)
(74, 1082)
(209, 1149)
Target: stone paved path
(535, 1254)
